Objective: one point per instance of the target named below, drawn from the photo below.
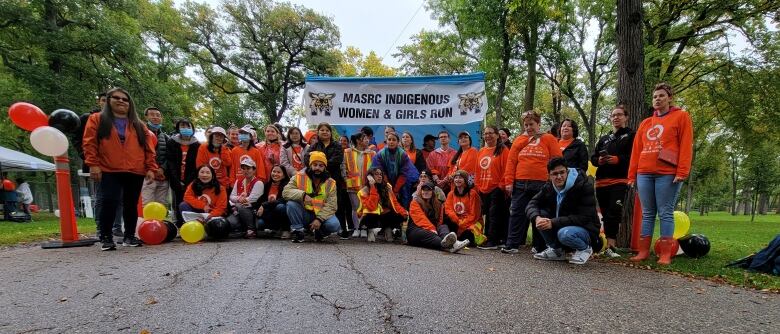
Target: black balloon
(64, 120)
(171, 231)
(694, 245)
(217, 228)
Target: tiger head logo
(321, 103)
(470, 102)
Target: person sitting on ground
(564, 211)
(438, 193)
(246, 191)
(379, 208)
(205, 195)
(463, 208)
(426, 228)
(311, 200)
(272, 208)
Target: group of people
(442, 198)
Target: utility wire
(404, 29)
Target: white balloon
(57, 212)
(49, 141)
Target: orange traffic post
(68, 229)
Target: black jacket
(263, 200)
(162, 149)
(576, 155)
(173, 155)
(335, 156)
(618, 144)
(578, 207)
(78, 138)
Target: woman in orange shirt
(246, 148)
(217, 156)
(425, 227)
(414, 154)
(271, 148)
(465, 158)
(205, 195)
(463, 208)
(660, 162)
(118, 150)
(526, 172)
(490, 183)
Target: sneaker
(356, 234)
(580, 257)
(107, 244)
(285, 235)
(297, 236)
(388, 234)
(344, 235)
(449, 240)
(534, 251)
(509, 250)
(372, 232)
(251, 234)
(131, 242)
(610, 252)
(364, 233)
(318, 235)
(117, 233)
(458, 246)
(488, 245)
(551, 254)
(397, 233)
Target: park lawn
(43, 227)
(731, 238)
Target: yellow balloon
(192, 232)
(591, 169)
(156, 211)
(681, 224)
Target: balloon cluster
(693, 245)
(155, 230)
(48, 132)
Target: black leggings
(419, 237)
(495, 207)
(390, 219)
(610, 199)
(113, 188)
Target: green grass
(44, 226)
(731, 238)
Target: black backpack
(766, 260)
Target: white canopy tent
(14, 161)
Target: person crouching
(311, 200)
(205, 195)
(564, 211)
(246, 191)
(379, 208)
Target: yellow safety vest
(355, 176)
(305, 184)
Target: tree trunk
(506, 54)
(631, 59)
(733, 185)
(747, 196)
(530, 58)
(763, 204)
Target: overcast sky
(376, 25)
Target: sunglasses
(124, 99)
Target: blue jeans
(300, 218)
(275, 219)
(574, 237)
(658, 195)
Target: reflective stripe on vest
(355, 175)
(317, 202)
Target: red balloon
(675, 247)
(8, 185)
(152, 232)
(27, 116)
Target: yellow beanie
(317, 156)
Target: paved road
(273, 286)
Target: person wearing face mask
(217, 156)
(246, 148)
(156, 189)
(181, 153)
(426, 228)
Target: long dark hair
(460, 150)
(499, 145)
(411, 145)
(210, 143)
(431, 206)
(198, 187)
(289, 141)
(107, 118)
(381, 188)
(285, 178)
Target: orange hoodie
(219, 163)
(420, 219)
(369, 201)
(528, 159)
(490, 169)
(464, 211)
(218, 203)
(113, 156)
(467, 161)
(672, 131)
(237, 153)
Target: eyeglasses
(616, 115)
(490, 133)
(124, 99)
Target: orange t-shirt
(490, 169)
(564, 143)
(219, 162)
(464, 211)
(674, 132)
(218, 203)
(528, 158)
(420, 219)
(467, 161)
(184, 149)
(238, 153)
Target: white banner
(456, 99)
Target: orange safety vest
(317, 202)
(356, 176)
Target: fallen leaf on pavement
(151, 301)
